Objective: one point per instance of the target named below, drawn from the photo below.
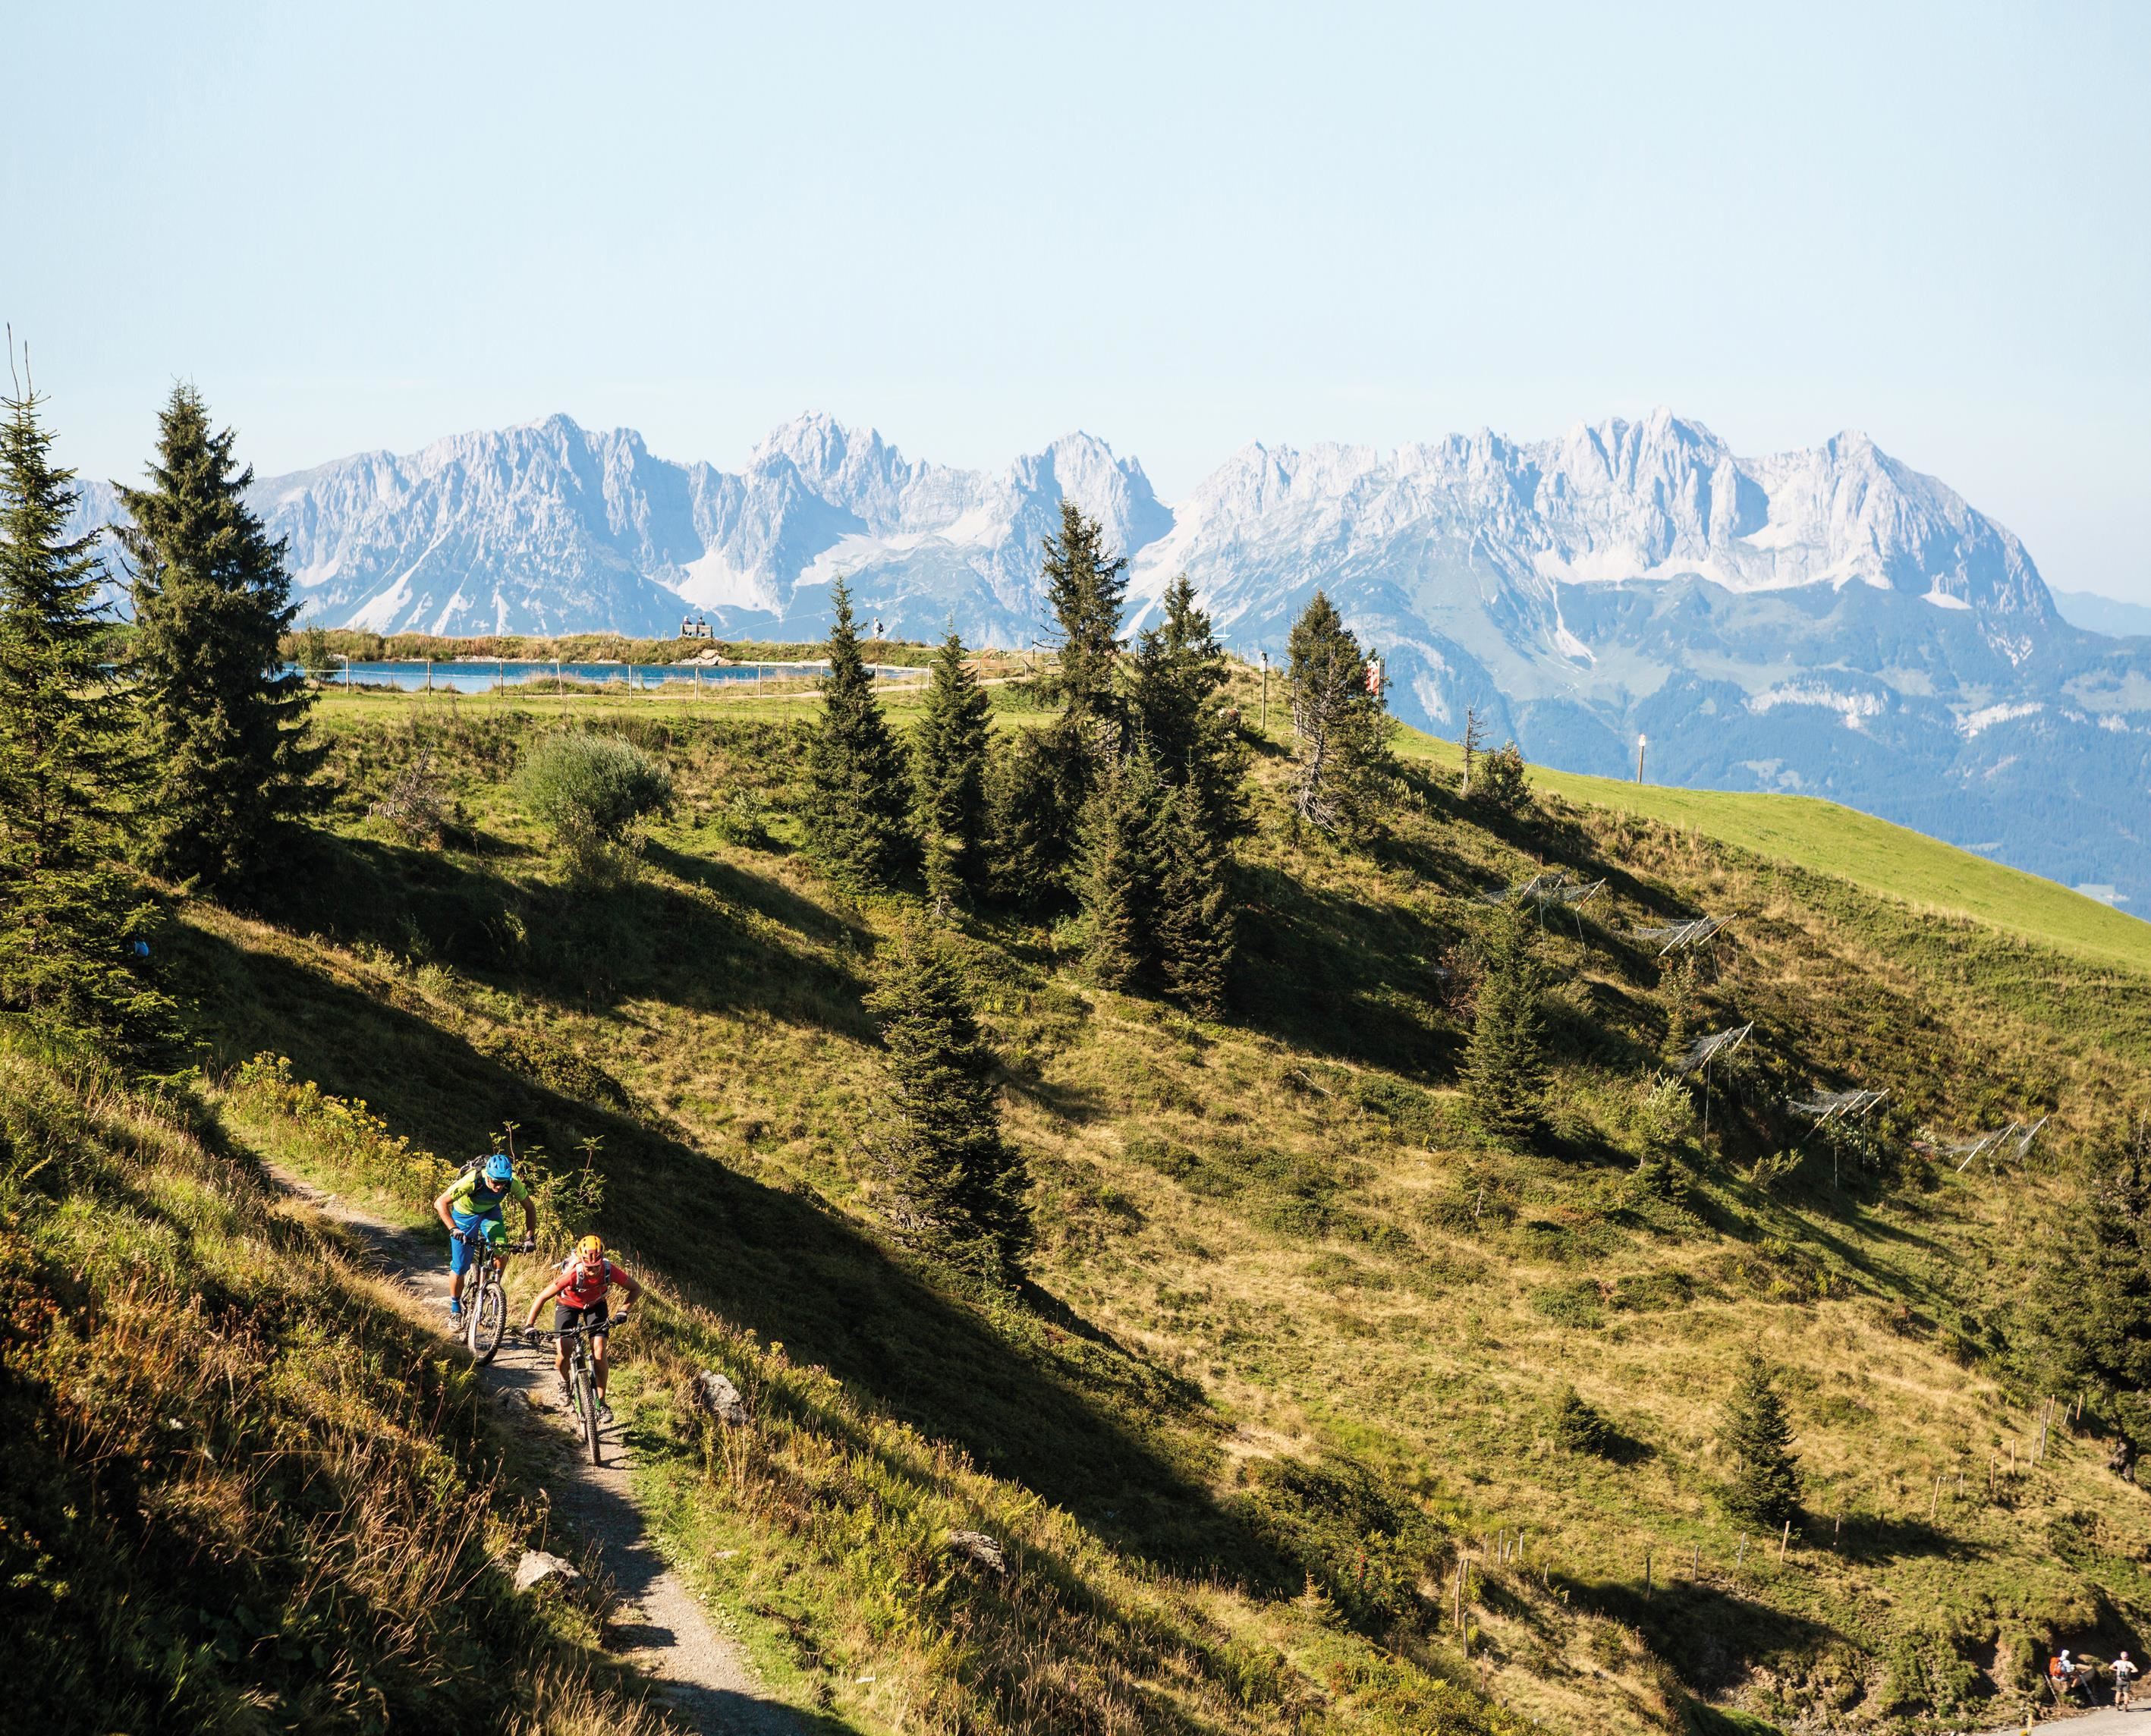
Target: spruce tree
(858, 793)
(1179, 673)
(1342, 759)
(1029, 816)
(1192, 933)
(1765, 1490)
(224, 724)
(1085, 588)
(69, 920)
(2094, 1292)
(1678, 991)
(948, 768)
(1116, 873)
(1504, 1071)
(960, 1185)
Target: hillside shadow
(758, 893)
(1713, 1637)
(1122, 1444)
(1330, 975)
(582, 947)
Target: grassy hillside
(244, 1493)
(1871, 853)
(1277, 1410)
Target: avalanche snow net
(1826, 1106)
(1671, 937)
(2014, 1138)
(1559, 890)
(1703, 1050)
(1837, 1116)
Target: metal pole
(429, 675)
(1266, 693)
(1640, 741)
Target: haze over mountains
(1828, 620)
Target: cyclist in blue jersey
(471, 1206)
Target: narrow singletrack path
(702, 1673)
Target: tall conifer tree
(1028, 821)
(1765, 1490)
(1116, 875)
(960, 1185)
(2095, 1290)
(857, 786)
(1342, 759)
(949, 771)
(225, 725)
(1504, 1074)
(1192, 930)
(1085, 587)
(1179, 674)
(69, 920)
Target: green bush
(1580, 1426)
(590, 791)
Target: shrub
(415, 804)
(1501, 781)
(1580, 1426)
(590, 791)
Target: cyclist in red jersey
(577, 1294)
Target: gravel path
(660, 1626)
(2103, 1721)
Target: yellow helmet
(590, 1248)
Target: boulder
(719, 1397)
(978, 1547)
(537, 1568)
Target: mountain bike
(582, 1375)
(485, 1303)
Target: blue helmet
(498, 1168)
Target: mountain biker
(578, 1293)
(471, 1204)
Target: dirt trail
(702, 1673)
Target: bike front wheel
(488, 1320)
(587, 1394)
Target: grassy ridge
(1866, 852)
(1297, 1330)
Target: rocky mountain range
(1827, 621)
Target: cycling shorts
(596, 1314)
(486, 1223)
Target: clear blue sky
(1182, 228)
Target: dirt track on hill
(702, 1673)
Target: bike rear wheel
(488, 1319)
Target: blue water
(484, 677)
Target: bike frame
(582, 1375)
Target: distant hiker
(577, 1294)
(2061, 1676)
(2124, 1673)
(470, 1207)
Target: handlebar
(585, 1330)
(474, 1238)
